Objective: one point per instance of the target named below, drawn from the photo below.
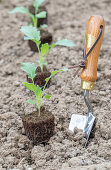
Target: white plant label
(77, 121)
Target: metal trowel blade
(89, 126)
(84, 123)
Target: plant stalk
(35, 22)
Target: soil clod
(46, 37)
(40, 77)
(39, 129)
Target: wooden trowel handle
(89, 74)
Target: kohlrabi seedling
(30, 69)
(31, 33)
(36, 16)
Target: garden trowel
(94, 36)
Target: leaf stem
(46, 84)
(35, 22)
(39, 112)
(40, 56)
(38, 106)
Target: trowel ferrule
(87, 85)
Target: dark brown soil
(46, 37)
(40, 77)
(39, 129)
(41, 21)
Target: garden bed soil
(67, 19)
(46, 37)
(40, 77)
(39, 129)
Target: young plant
(36, 16)
(39, 92)
(31, 33)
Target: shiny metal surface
(90, 121)
(87, 85)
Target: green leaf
(65, 69)
(44, 49)
(44, 26)
(45, 63)
(47, 96)
(26, 38)
(48, 78)
(41, 14)
(21, 10)
(37, 3)
(38, 43)
(65, 42)
(31, 32)
(57, 71)
(39, 93)
(31, 87)
(52, 46)
(30, 69)
(31, 101)
(54, 72)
